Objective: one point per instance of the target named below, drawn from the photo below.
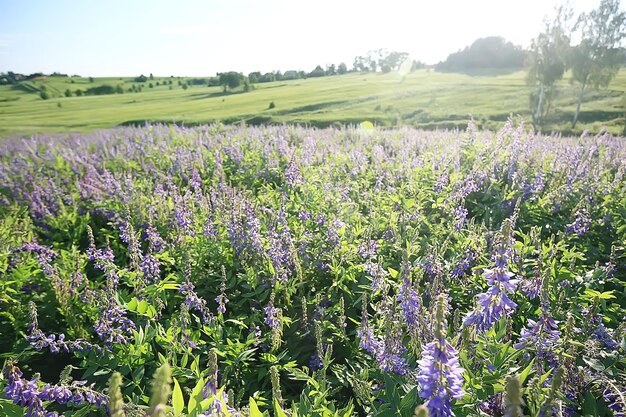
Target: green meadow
(425, 99)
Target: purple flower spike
(440, 376)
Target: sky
(203, 37)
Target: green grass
(424, 98)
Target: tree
(597, 58)
(360, 64)
(489, 52)
(317, 72)
(230, 80)
(547, 64)
(391, 61)
(254, 77)
(342, 68)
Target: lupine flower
(211, 390)
(193, 300)
(368, 339)
(440, 375)
(614, 397)
(304, 216)
(271, 316)
(581, 224)
(410, 303)
(26, 393)
(292, 175)
(183, 214)
(542, 335)
(387, 350)
(221, 298)
(56, 343)
(333, 233)
(378, 275)
(280, 249)
(391, 350)
(153, 237)
(463, 264)
(130, 237)
(442, 181)
(112, 325)
(495, 303)
(150, 268)
(244, 232)
(460, 215)
(368, 249)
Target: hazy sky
(202, 37)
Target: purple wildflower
(280, 249)
(56, 343)
(26, 393)
(271, 316)
(581, 224)
(221, 298)
(410, 303)
(368, 249)
(495, 303)
(460, 215)
(442, 181)
(113, 326)
(193, 300)
(440, 376)
(292, 175)
(378, 275)
(388, 351)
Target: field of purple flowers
(285, 271)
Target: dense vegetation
(426, 99)
(485, 53)
(304, 272)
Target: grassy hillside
(424, 99)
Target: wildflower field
(286, 271)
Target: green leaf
(590, 408)
(526, 372)
(278, 411)
(196, 395)
(408, 403)
(392, 272)
(178, 402)
(132, 305)
(254, 409)
(142, 307)
(11, 410)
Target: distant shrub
(150, 85)
(141, 79)
(44, 95)
(78, 92)
(272, 105)
(119, 89)
(68, 93)
(101, 90)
